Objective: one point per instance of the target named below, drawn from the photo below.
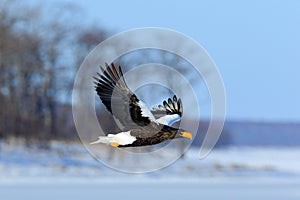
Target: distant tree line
(39, 56)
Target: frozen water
(68, 171)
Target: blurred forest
(39, 57)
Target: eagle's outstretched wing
(120, 100)
(168, 113)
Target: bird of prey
(141, 126)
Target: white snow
(64, 160)
(68, 170)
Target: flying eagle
(141, 126)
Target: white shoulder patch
(169, 119)
(146, 112)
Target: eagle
(140, 126)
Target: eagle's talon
(114, 144)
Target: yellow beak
(187, 135)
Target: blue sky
(255, 44)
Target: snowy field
(68, 171)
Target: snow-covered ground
(68, 169)
(64, 161)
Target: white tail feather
(122, 138)
(102, 139)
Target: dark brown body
(153, 136)
(124, 105)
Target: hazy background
(256, 46)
